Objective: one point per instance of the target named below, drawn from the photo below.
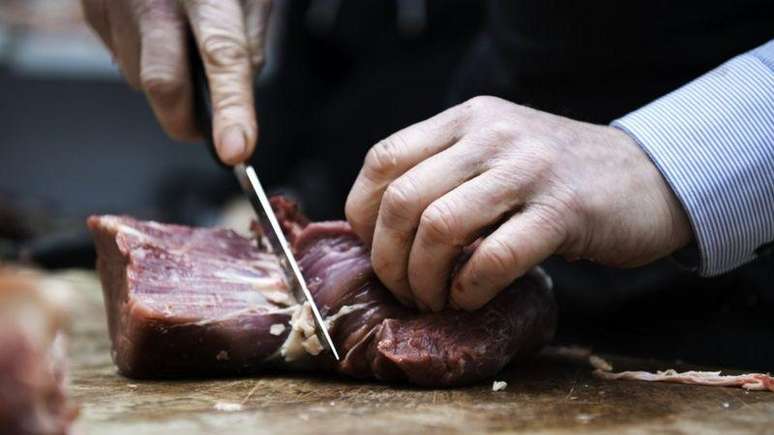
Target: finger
(519, 244)
(95, 13)
(402, 205)
(125, 40)
(219, 29)
(257, 14)
(452, 222)
(164, 69)
(393, 156)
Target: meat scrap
(33, 400)
(176, 297)
(575, 354)
(499, 386)
(600, 363)
(750, 381)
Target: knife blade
(252, 188)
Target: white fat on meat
(330, 321)
(749, 381)
(271, 288)
(278, 297)
(301, 329)
(277, 329)
(312, 345)
(238, 313)
(302, 342)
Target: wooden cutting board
(542, 397)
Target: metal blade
(273, 232)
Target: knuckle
(500, 132)
(438, 224)
(505, 179)
(231, 103)
(398, 200)
(385, 269)
(482, 102)
(154, 11)
(498, 258)
(565, 204)
(480, 111)
(548, 215)
(540, 162)
(161, 85)
(562, 216)
(382, 158)
(378, 264)
(223, 50)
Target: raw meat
(187, 301)
(750, 381)
(32, 359)
(383, 339)
(183, 301)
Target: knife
(252, 188)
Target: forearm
(713, 141)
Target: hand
(535, 184)
(148, 39)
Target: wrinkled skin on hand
(148, 39)
(534, 184)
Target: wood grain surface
(541, 397)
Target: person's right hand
(148, 40)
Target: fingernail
(232, 144)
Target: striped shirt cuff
(713, 141)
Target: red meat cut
(187, 301)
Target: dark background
(347, 74)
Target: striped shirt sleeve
(713, 141)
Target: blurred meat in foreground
(32, 356)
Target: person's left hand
(542, 185)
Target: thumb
(518, 245)
(219, 29)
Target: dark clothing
(598, 60)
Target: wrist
(674, 223)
